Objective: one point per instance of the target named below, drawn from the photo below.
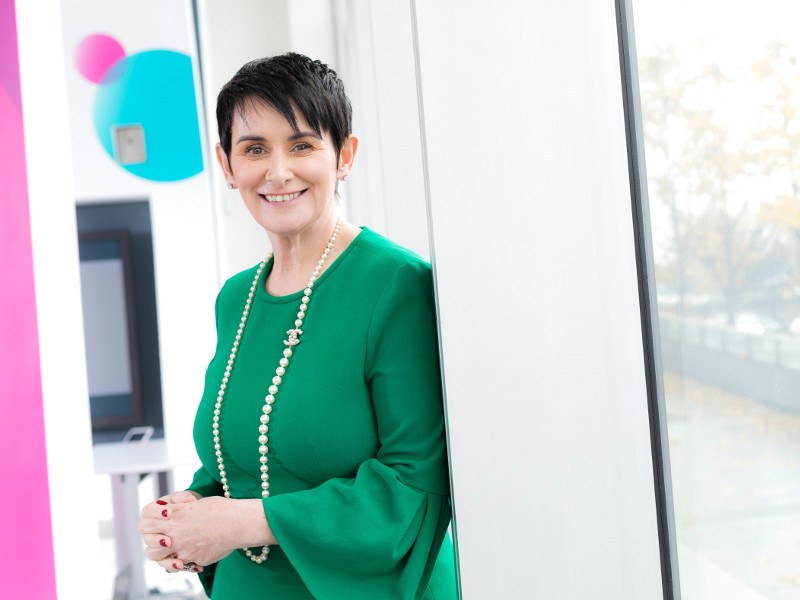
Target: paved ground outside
(736, 476)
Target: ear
(347, 156)
(222, 158)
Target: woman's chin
(283, 223)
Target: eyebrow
(292, 138)
(302, 134)
(251, 138)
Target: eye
(255, 150)
(302, 146)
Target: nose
(279, 170)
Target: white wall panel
(376, 58)
(58, 305)
(532, 238)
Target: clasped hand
(183, 528)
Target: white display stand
(127, 463)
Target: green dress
(359, 494)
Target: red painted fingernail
(161, 502)
(175, 566)
(163, 542)
(164, 513)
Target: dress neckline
(264, 295)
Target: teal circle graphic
(153, 90)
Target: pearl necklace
(290, 342)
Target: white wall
(184, 250)
(537, 290)
(376, 58)
(55, 253)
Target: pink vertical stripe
(27, 568)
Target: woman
(320, 429)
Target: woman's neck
(295, 258)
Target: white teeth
(282, 197)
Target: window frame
(645, 268)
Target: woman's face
(287, 178)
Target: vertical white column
(58, 307)
(376, 62)
(532, 240)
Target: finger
(154, 509)
(170, 510)
(157, 507)
(158, 554)
(171, 563)
(176, 565)
(182, 497)
(157, 541)
(146, 526)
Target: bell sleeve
(378, 534)
(204, 484)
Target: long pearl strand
(290, 342)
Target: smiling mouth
(280, 198)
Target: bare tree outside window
(721, 118)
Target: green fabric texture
(359, 498)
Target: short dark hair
(281, 80)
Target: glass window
(720, 102)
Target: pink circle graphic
(95, 55)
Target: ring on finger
(190, 566)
